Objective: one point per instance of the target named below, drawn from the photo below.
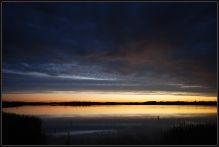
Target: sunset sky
(109, 51)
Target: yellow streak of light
(103, 97)
(115, 110)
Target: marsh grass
(190, 134)
(21, 130)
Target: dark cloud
(110, 46)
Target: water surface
(115, 111)
(93, 123)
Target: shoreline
(6, 104)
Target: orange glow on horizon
(102, 97)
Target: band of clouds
(36, 81)
(120, 47)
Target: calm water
(115, 111)
(93, 122)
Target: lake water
(89, 124)
(115, 111)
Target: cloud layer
(170, 47)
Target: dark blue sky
(170, 47)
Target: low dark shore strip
(15, 104)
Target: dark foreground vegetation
(21, 130)
(202, 134)
(15, 104)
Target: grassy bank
(21, 130)
(202, 134)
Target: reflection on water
(114, 110)
(108, 124)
